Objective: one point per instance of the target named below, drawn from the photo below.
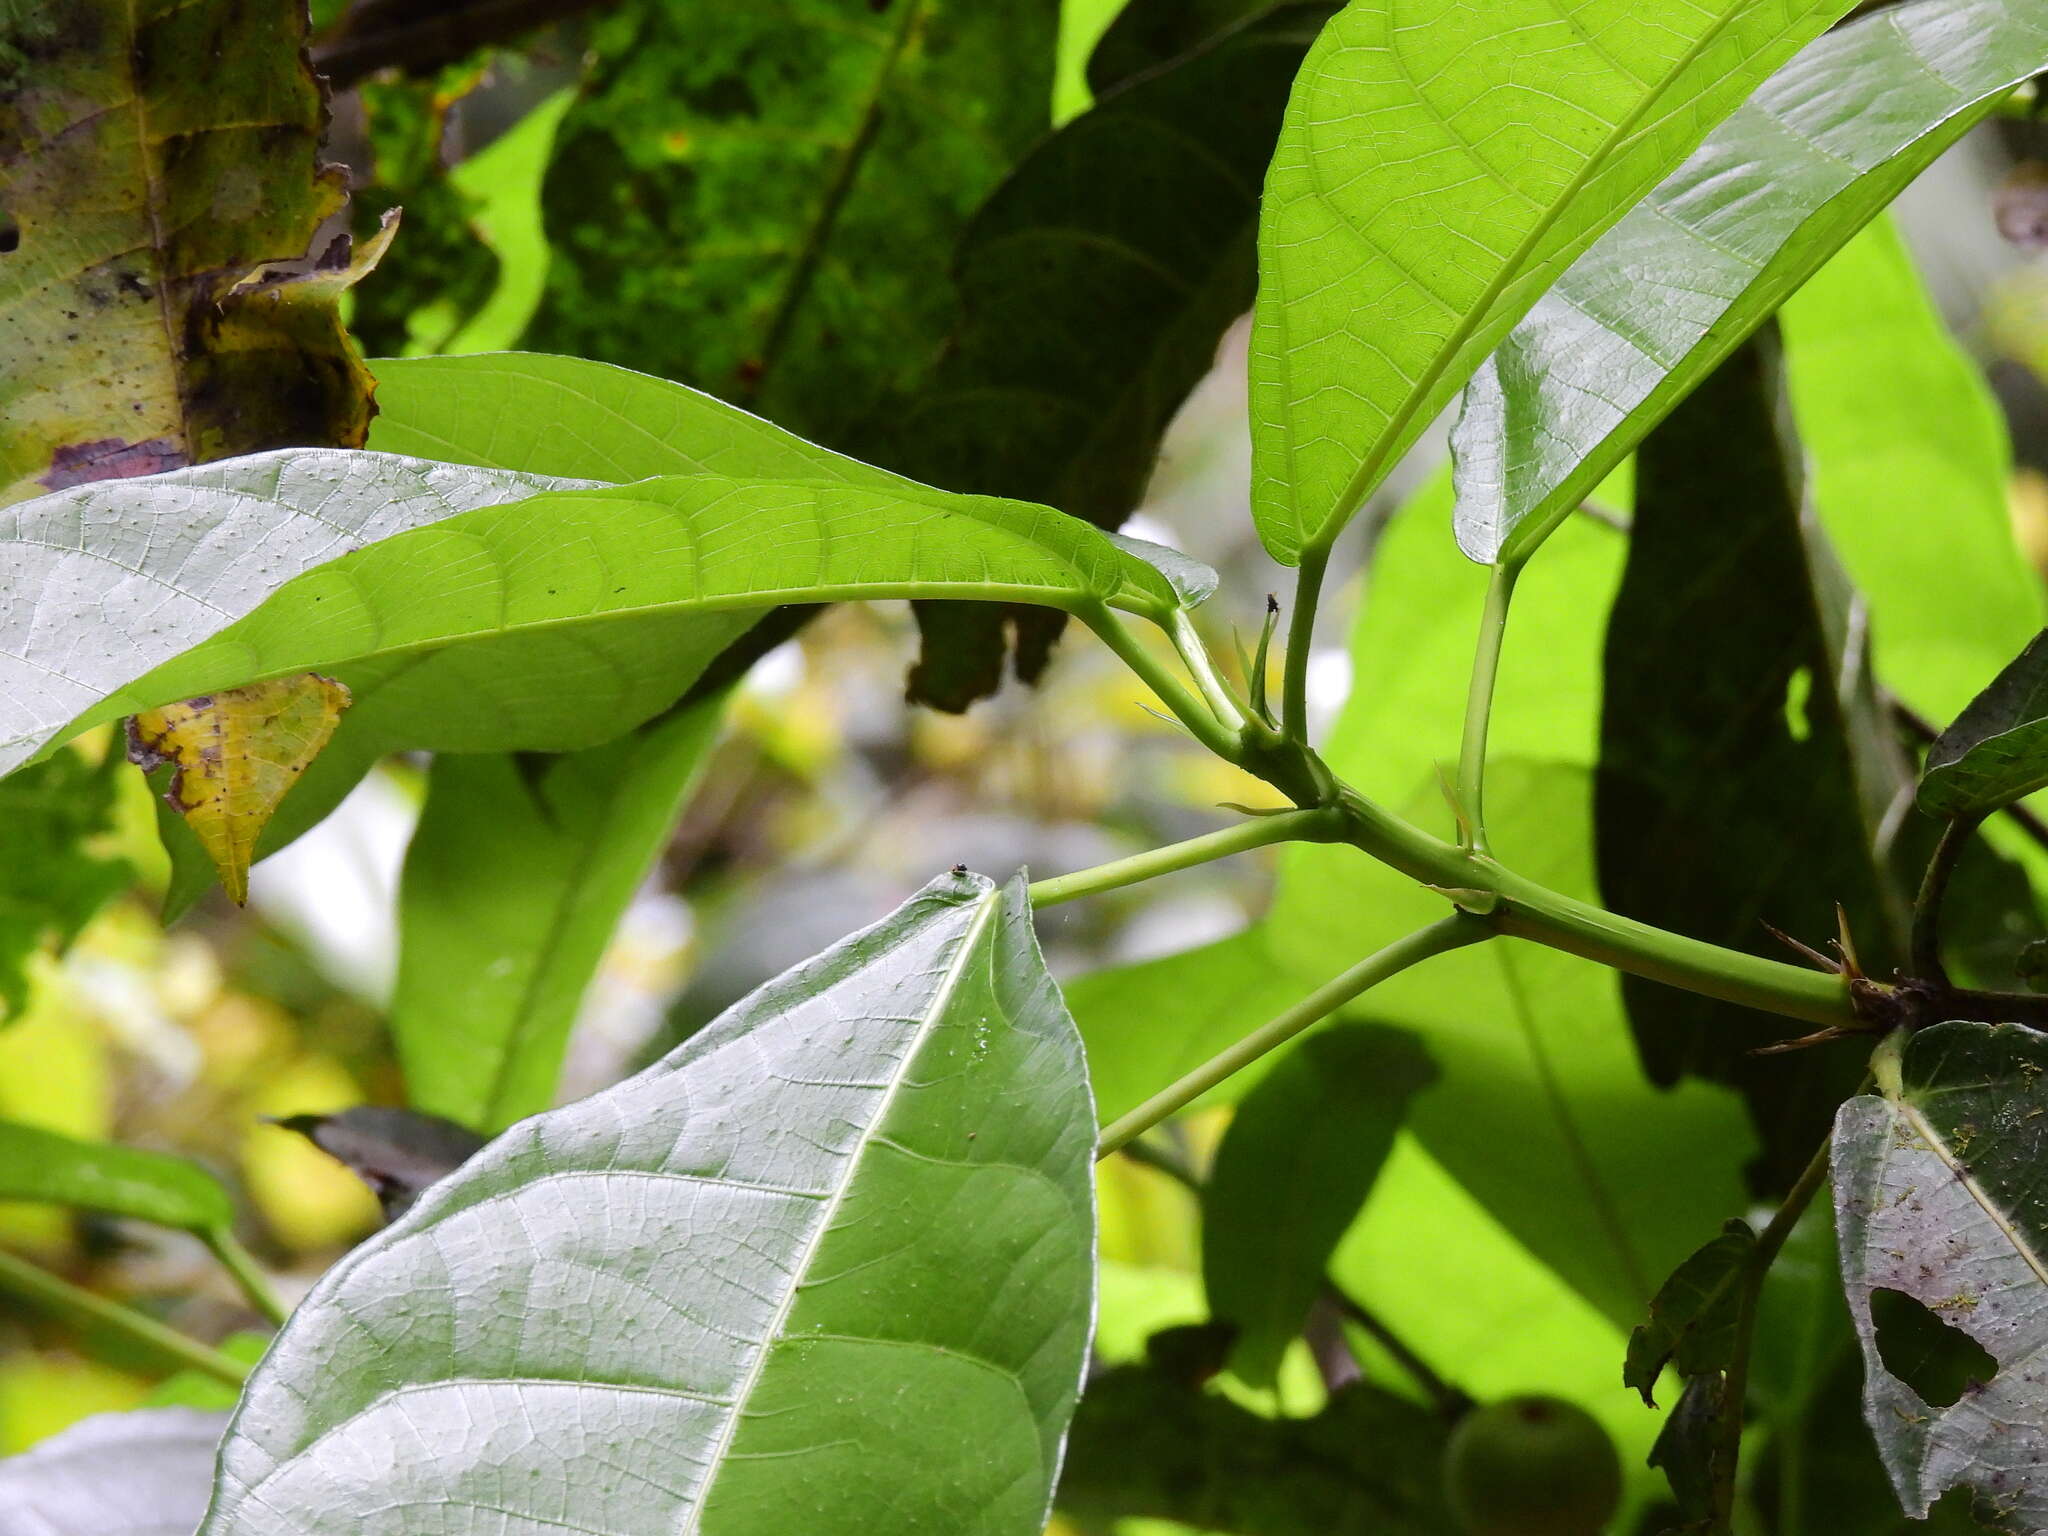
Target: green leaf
(763, 200)
(1094, 285)
(1612, 1179)
(121, 576)
(1692, 1316)
(833, 1255)
(1147, 33)
(569, 416)
(1713, 251)
(513, 885)
(143, 205)
(1438, 171)
(45, 1166)
(1146, 1444)
(550, 624)
(50, 885)
(1298, 1161)
(1938, 1203)
(1738, 786)
(143, 1473)
(1996, 751)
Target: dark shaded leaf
(1736, 786)
(50, 886)
(1147, 34)
(399, 1153)
(513, 885)
(1692, 1316)
(1996, 752)
(1712, 252)
(161, 302)
(808, 167)
(146, 1473)
(1940, 1180)
(1147, 1445)
(1094, 285)
(832, 1255)
(1688, 1445)
(1292, 1172)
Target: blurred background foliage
(622, 181)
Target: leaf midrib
(1404, 414)
(693, 1518)
(1938, 1145)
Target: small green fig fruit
(1532, 1466)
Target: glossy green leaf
(1148, 1445)
(1298, 1161)
(557, 622)
(1094, 285)
(1996, 751)
(145, 1473)
(44, 1166)
(1440, 168)
(51, 885)
(1738, 785)
(1713, 251)
(1692, 1316)
(831, 1256)
(1938, 1197)
(103, 582)
(763, 200)
(513, 884)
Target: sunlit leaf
(1440, 167)
(233, 755)
(513, 884)
(831, 1256)
(145, 1473)
(1298, 1161)
(161, 299)
(42, 1165)
(1938, 1180)
(1716, 248)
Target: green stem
(1321, 826)
(1493, 625)
(1527, 910)
(1301, 632)
(1169, 690)
(45, 1290)
(1735, 1390)
(247, 1274)
(1941, 865)
(1448, 933)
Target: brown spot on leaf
(110, 458)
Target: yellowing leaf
(162, 300)
(235, 755)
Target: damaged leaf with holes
(233, 755)
(1941, 1182)
(165, 298)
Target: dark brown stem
(1927, 964)
(387, 38)
(1444, 1397)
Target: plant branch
(1301, 631)
(1444, 1397)
(1955, 836)
(1453, 932)
(1195, 657)
(1735, 1389)
(248, 1275)
(1493, 625)
(1170, 690)
(1314, 826)
(42, 1289)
